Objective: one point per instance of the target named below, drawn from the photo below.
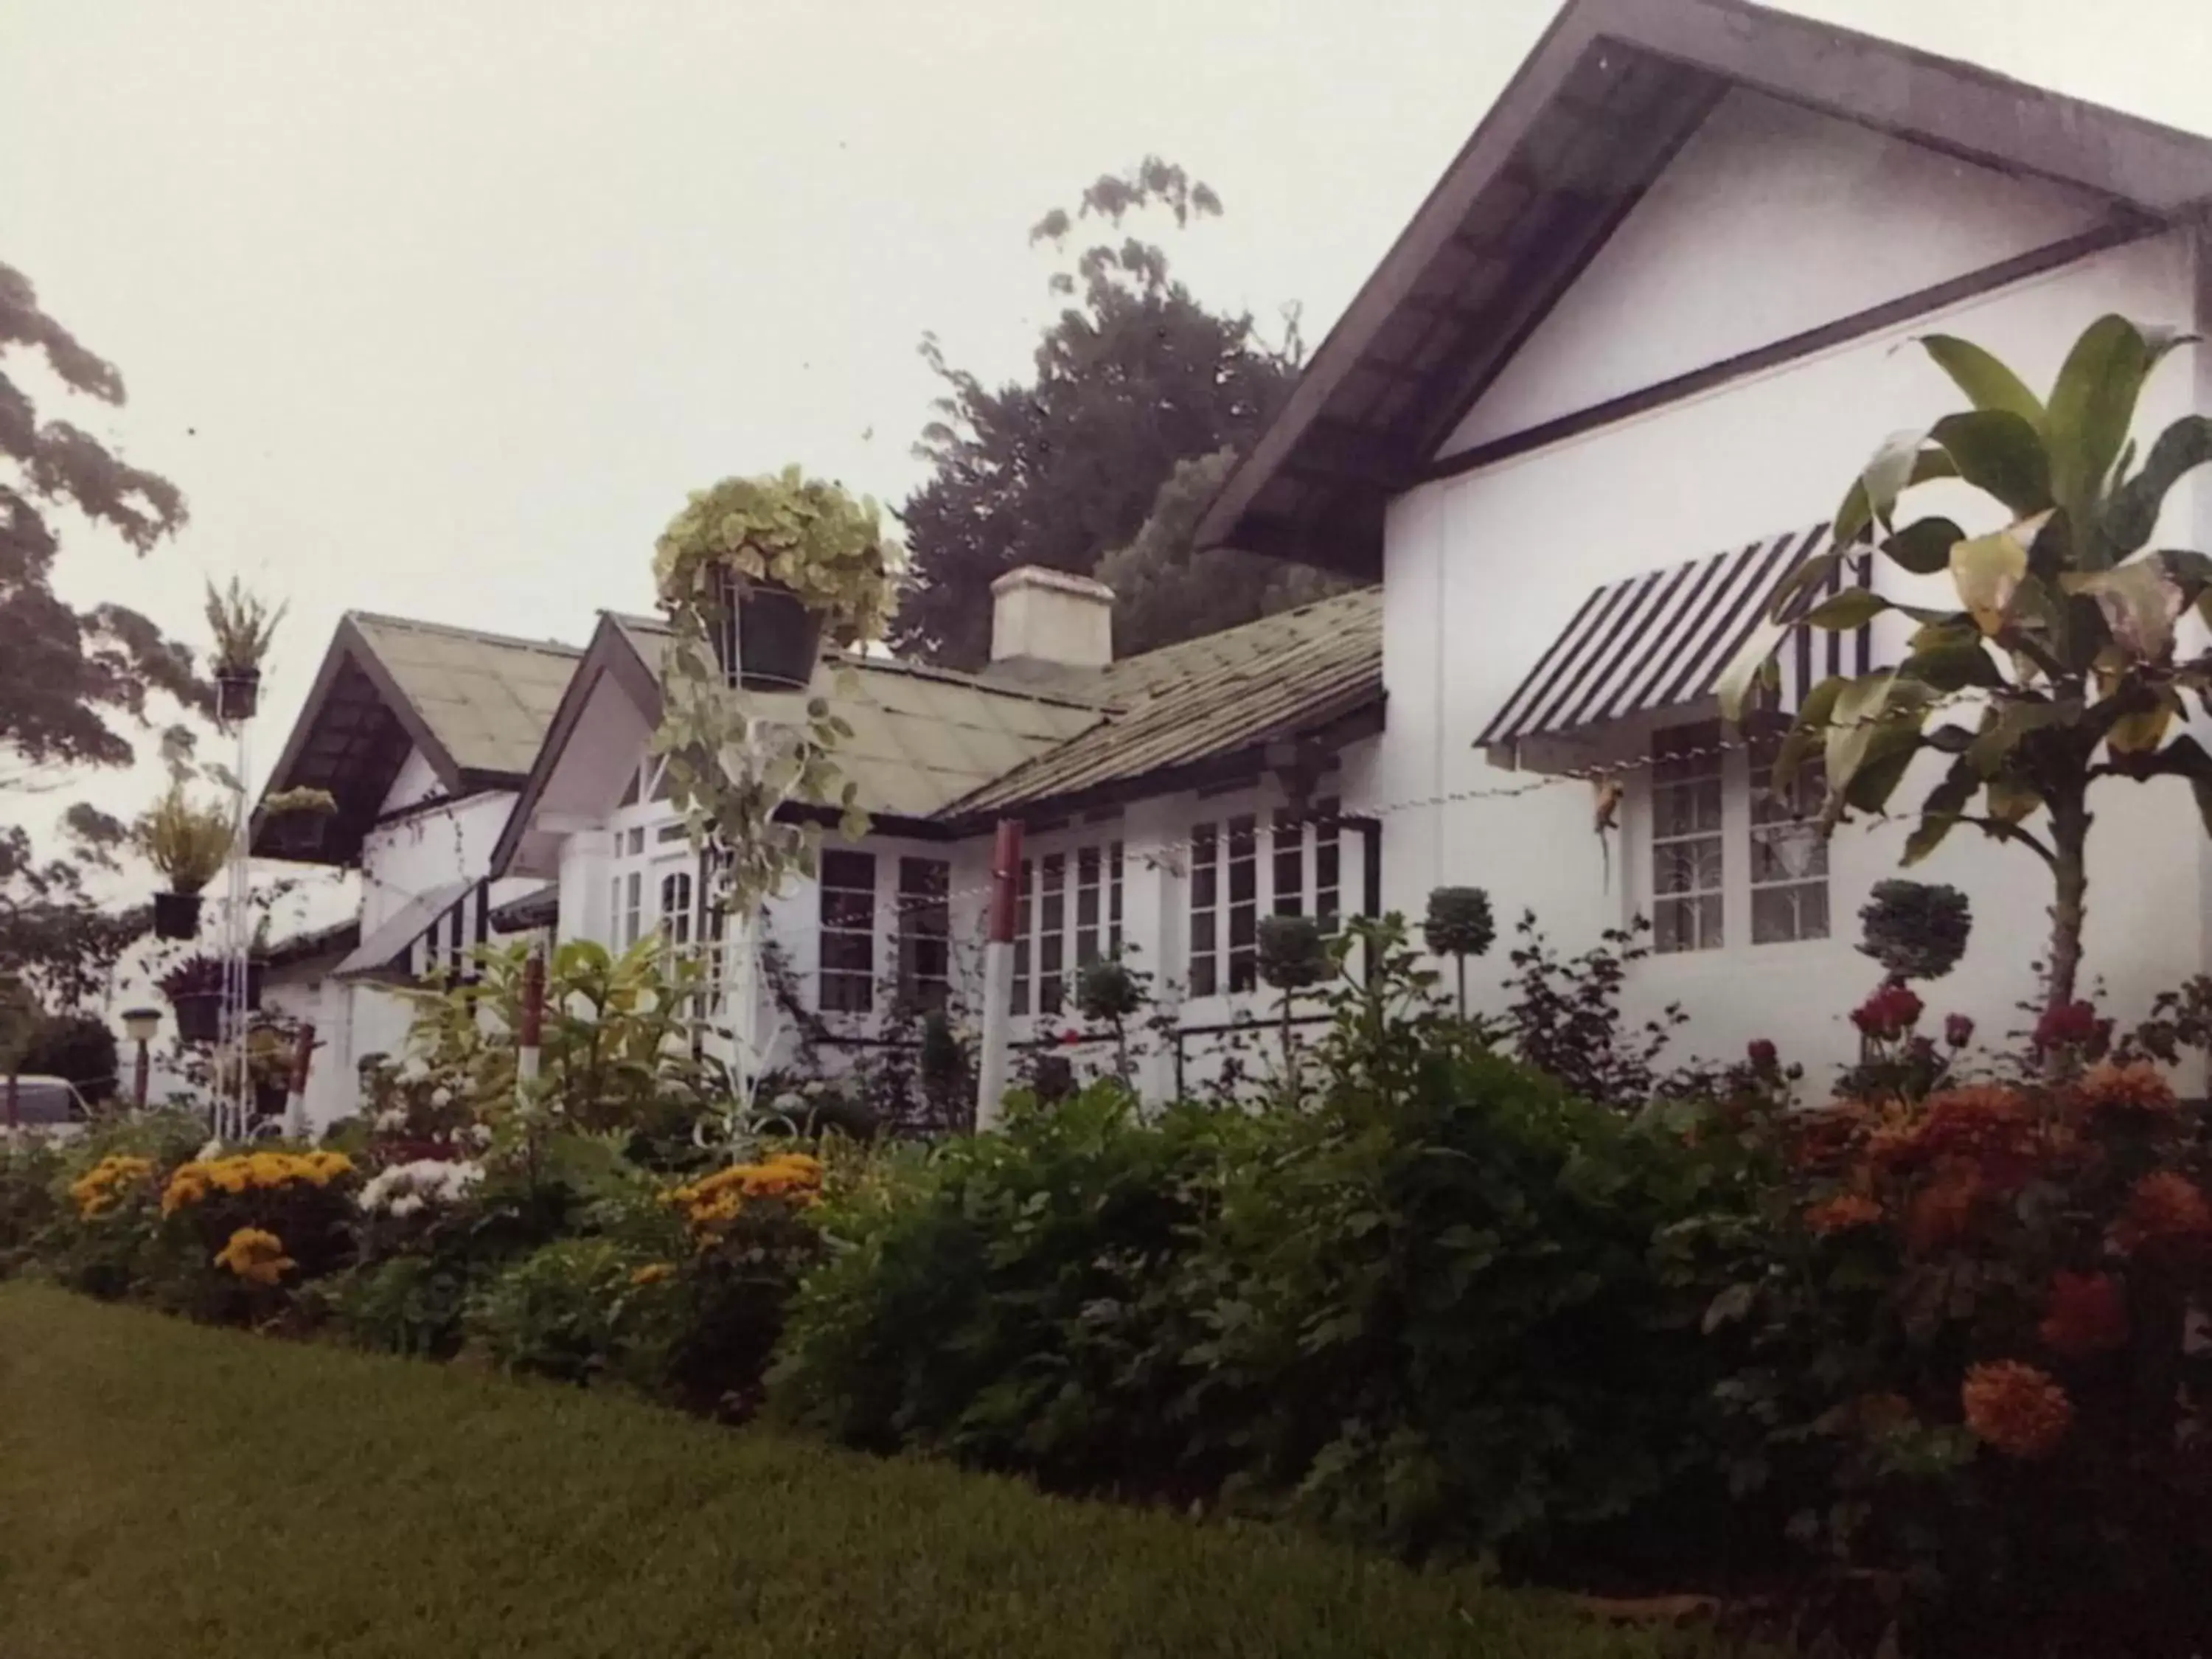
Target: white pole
(999, 977)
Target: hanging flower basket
(199, 1015)
(237, 695)
(765, 639)
(176, 915)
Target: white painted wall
(1483, 570)
(1771, 220)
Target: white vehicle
(47, 1107)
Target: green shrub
(1436, 1312)
(409, 1304)
(580, 1310)
(30, 1198)
(1015, 1301)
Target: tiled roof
(922, 738)
(487, 697)
(1210, 697)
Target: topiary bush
(1914, 929)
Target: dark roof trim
(610, 654)
(2125, 228)
(1945, 105)
(336, 939)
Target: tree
(67, 671)
(66, 674)
(2064, 634)
(1164, 592)
(1134, 377)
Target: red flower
(2163, 1206)
(1958, 1031)
(2086, 1313)
(1764, 1055)
(2138, 1091)
(1069, 1039)
(2016, 1408)
(1889, 1013)
(2071, 1025)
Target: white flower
(212, 1150)
(405, 1189)
(787, 1103)
(391, 1118)
(441, 1096)
(480, 1135)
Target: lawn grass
(173, 1491)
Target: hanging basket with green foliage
(187, 844)
(243, 625)
(768, 565)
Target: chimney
(1048, 617)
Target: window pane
(1289, 839)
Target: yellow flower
(652, 1273)
(256, 1256)
(100, 1188)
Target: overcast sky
(439, 308)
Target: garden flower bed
(182, 1492)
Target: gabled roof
(1590, 121)
(475, 705)
(921, 736)
(1210, 703)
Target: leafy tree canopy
(1134, 378)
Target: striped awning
(1662, 641)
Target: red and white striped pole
(531, 1034)
(999, 974)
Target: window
(1023, 909)
(676, 907)
(1243, 903)
(1789, 854)
(1052, 942)
(1204, 910)
(848, 932)
(925, 932)
(1113, 899)
(626, 913)
(714, 926)
(1233, 880)
(1089, 866)
(634, 842)
(1688, 862)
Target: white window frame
(1052, 940)
(1215, 964)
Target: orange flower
(2166, 1205)
(1843, 1212)
(1992, 1125)
(2086, 1313)
(2016, 1408)
(2140, 1089)
(1940, 1211)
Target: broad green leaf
(2092, 406)
(2132, 514)
(1741, 677)
(1884, 768)
(1854, 607)
(1805, 731)
(2013, 723)
(1902, 462)
(2011, 800)
(1873, 718)
(2141, 733)
(1997, 451)
(1940, 811)
(1985, 380)
(1949, 667)
(2139, 602)
(1987, 571)
(1923, 547)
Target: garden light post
(141, 1025)
(295, 1093)
(998, 974)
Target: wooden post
(295, 1093)
(999, 974)
(140, 1074)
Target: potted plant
(187, 844)
(194, 988)
(774, 562)
(243, 626)
(303, 813)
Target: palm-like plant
(243, 625)
(2064, 634)
(187, 842)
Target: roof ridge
(481, 635)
